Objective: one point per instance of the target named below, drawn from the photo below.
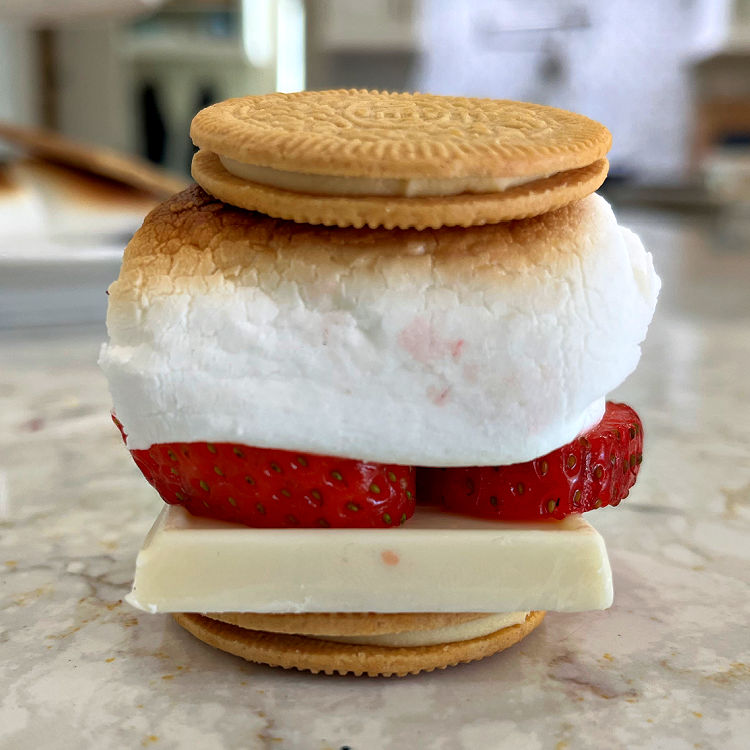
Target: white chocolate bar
(437, 562)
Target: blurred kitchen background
(96, 97)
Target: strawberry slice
(596, 469)
(272, 488)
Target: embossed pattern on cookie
(368, 158)
(379, 134)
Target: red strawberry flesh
(269, 488)
(596, 469)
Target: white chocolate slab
(437, 562)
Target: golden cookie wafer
(345, 623)
(332, 157)
(378, 134)
(314, 655)
(464, 210)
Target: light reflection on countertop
(667, 666)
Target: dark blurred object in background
(152, 123)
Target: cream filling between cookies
(466, 631)
(319, 184)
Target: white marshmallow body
(433, 349)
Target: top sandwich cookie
(367, 158)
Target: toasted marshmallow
(480, 346)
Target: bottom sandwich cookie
(315, 653)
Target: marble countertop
(668, 666)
